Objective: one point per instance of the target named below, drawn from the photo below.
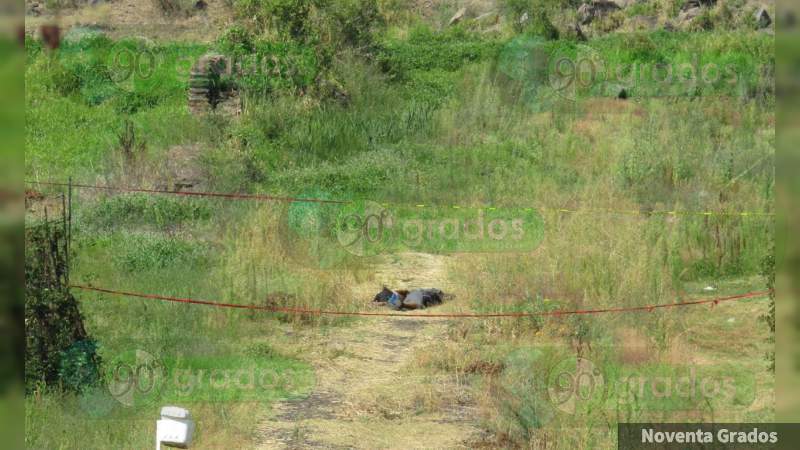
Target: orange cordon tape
(713, 301)
(229, 195)
(266, 197)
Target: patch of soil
(125, 18)
(368, 393)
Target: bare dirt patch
(124, 18)
(369, 392)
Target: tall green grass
(443, 118)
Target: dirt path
(369, 393)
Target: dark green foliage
(428, 62)
(133, 75)
(331, 23)
(725, 65)
(86, 73)
(540, 25)
(236, 40)
(288, 17)
(537, 23)
(58, 351)
(272, 67)
(355, 21)
(62, 79)
(33, 47)
(427, 50)
(516, 9)
(78, 368)
(538, 15)
(12, 311)
(263, 67)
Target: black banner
(708, 436)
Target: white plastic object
(175, 428)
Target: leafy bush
(426, 50)
(236, 40)
(62, 79)
(540, 25)
(334, 23)
(275, 66)
(355, 21)
(289, 17)
(58, 351)
(79, 68)
(538, 15)
(78, 367)
(645, 8)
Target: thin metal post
(66, 236)
(69, 224)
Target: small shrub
(261, 350)
(289, 17)
(540, 25)
(609, 22)
(355, 21)
(273, 67)
(63, 80)
(703, 22)
(538, 12)
(236, 40)
(133, 102)
(78, 368)
(143, 252)
(58, 351)
(132, 148)
(645, 8)
(426, 50)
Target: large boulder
(588, 12)
(643, 23)
(487, 19)
(763, 20)
(689, 4)
(622, 4)
(458, 16)
(35, 9)
(574, 33)
(687, 15)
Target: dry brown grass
(371, 393)
(125, 18)
(635, 348)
